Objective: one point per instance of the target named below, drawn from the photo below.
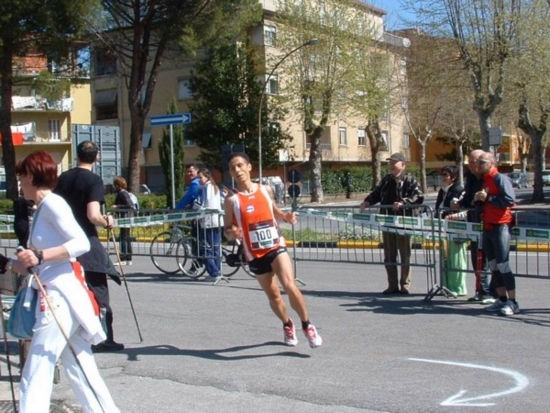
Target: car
(546, 177)
(519, 179)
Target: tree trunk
(315, 165)
(536, 133)
(375, 140)
(423, 180)
(8, 150)
(136, 135)
(484, 125)
(460, 160)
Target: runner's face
(240, 169)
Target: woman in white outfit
(54, 243)
(209, 232)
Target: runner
(251, 216)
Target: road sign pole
(172, 174)
(174, 119)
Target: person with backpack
(124, 204)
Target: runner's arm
(230, 230)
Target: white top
(211, 200)
(53, 225)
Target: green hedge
(145, 202)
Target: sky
(395, 12)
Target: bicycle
(171, 249)
(233, 258)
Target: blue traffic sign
(176, 119)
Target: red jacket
(501, 198)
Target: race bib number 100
(263, 235)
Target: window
(342, 136)
(184, 91)
(146, 140)
(270, 36)
(405, 141)
(54, 129)
(106, 104)
(361, 137)
(272, 85)
(385, 146)
(187, 142)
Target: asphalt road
(218, 348)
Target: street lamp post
(310, 42)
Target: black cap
(398, 157)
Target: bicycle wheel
(189, 263)
(163, 252)
(246, 268)
(228, 271)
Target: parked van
(519, 179)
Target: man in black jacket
(395, 190)
(84, 192)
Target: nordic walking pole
(63, 332)
(112, 236)
(6, 346)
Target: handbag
(23, 312)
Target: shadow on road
(212, 354)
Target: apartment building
(344, 141)
(40, 122)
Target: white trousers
(47, 346)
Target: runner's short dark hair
(237, 155)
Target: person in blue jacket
(187, 201)
(193, 188)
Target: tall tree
(375, 87)
(484, 32)
(315, 76)
(530, 77)
(165, 155)
(227, 96)
(143, 33)
(47, 26)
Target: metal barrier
(340, 234)
(529, 246)
(344, 234)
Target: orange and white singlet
(254, 214)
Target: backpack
(134, 200)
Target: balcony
(28, 133)
(36, 103)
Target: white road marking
(521, 383)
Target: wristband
(39, 255)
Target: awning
(105, 97)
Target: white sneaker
(495, 307)
(290, 335)
(120, 264)
(509, 308)
(313, 337)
